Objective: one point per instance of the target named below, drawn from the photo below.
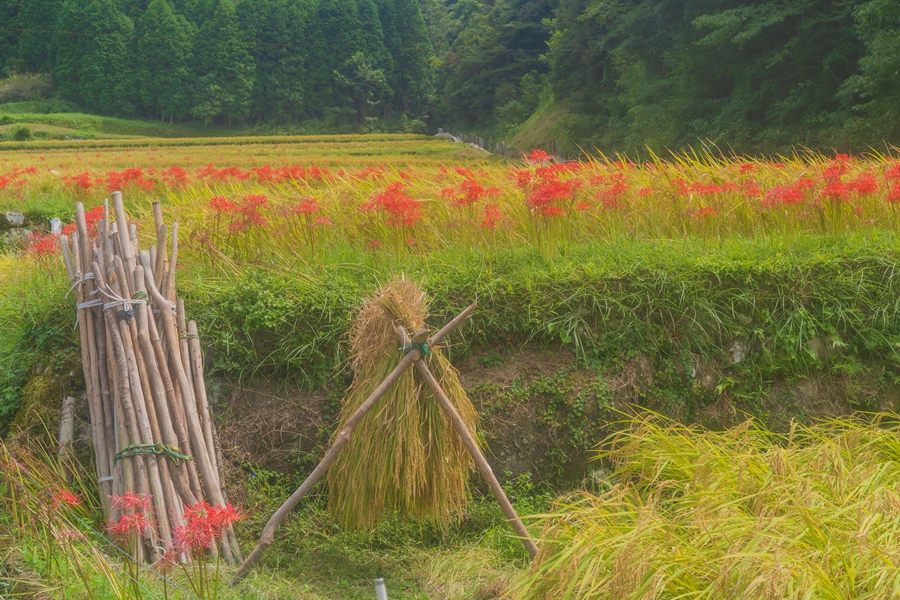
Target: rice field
(676, 511)
(287, 198)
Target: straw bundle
(404, 457)
(150, 419)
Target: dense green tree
(877, 84)
(500, 45)
(224, 68)
(94, 66)
(35, 51)
(282, 32)
(9, 38)
(413, 57)
(341, 27)
(164, 56)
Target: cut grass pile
(741, 513)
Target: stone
(15, 219)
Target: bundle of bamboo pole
(150, 418)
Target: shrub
(22, 134)
(25, 86)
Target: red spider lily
(646, 191)
(837, 168)
(210, 172)
(865, 184)
(893, 173)
(749, 189)
(41, 245)
(203, 524)
(175, 177)
(401, 208)
(134, 522)
(492, 217)
(747, 168)
(306, 206)
(67, 499)
(323, 221)
(69, 229)
(543, 197)
(119, 180)
(130, 500)
(612, 195)
(82, 181)
(374, 244)
(251, 210)
(372, 173)
(469, 192)
(69, 536)
(267, 174)
(4, 181)
(167, 561)
(894, 195)
(538, 156)
(221, 204)
(706, 211)
(582, 206)
(836, 192)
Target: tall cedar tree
(342, 28)
(413, 55)
(283, 32)
(94, 67)
(501, 44)
(9, 38)
(164, 55)
(224, 68)
(35, 51)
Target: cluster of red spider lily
(373, 204)
(203, 524)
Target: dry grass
(404, 457)
(736, 514)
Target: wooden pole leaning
(340, 440)
(471, 445)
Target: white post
(380, 590)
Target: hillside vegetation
(570, 75)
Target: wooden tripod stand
(414, 356)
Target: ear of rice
(404, 457)
(743, 513)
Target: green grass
(812, 306)
(311, 557)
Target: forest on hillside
(611, 74)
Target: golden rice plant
(741, 513)
(404, 457)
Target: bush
(22, 134)
(25, 86)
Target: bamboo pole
(340, 440)
(125, 394)
(201, 456)
(163, 393)
(91, 372)
(471, 445)
(209, 429)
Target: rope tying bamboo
(158, 449)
